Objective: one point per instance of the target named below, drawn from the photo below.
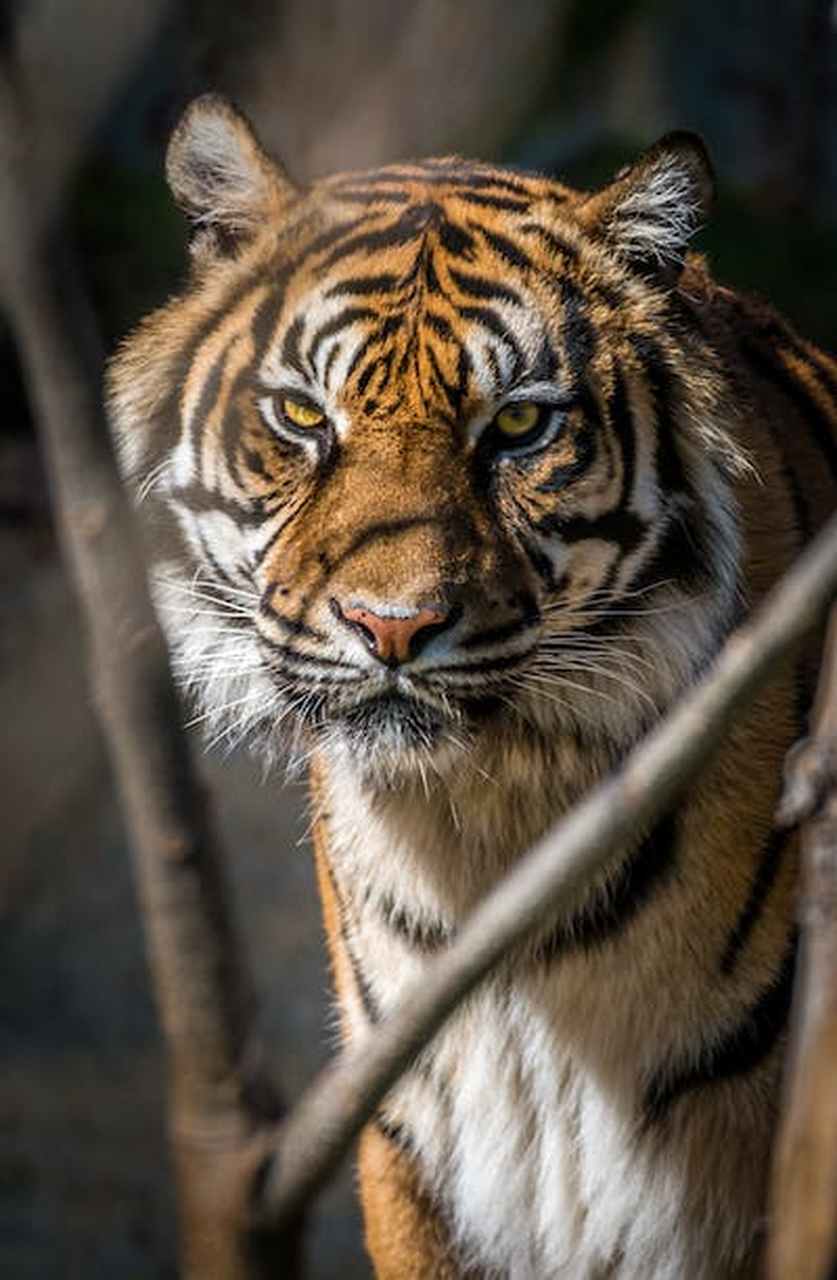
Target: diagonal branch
(322, 1126)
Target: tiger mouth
(392, 712)
(396, 721)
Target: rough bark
(804, 1217)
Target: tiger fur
(458, 477)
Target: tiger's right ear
(221, 177)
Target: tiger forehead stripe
(215, 342)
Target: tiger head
(448, 452)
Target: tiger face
(446, 450)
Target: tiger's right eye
(302, 415)
(518, 420)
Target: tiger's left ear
(651, 209)
(221, 177)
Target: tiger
(455, 479)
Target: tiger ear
(652, 208)
(221, 177)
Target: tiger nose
(394, 640)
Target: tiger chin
(456, 478)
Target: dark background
(573, 86)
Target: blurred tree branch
(220, 1102)
(805, 1184)
(68, 61)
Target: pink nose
(393, 640)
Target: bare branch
(804, 1241)
(320, 1129)
(219, 1104)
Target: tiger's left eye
(518, 419)
(302, 415)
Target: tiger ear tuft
(221, 177)
(652, 208)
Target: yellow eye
(302, 415)
(518, 419)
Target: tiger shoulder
(457, 479)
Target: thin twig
(320, 1129)
(804, 1217)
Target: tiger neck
(437, 850)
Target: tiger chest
(525, 1114)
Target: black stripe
(202, 501)
(725, 1055)
(218, 568)
(763, 881)
(767, 361)
(390, 326)
(448, 389)
(510, 252)
(439, 325)
(366, 377)
(291, 353)
(496, 375)
(264, 321)
(784, 447)
(371, 340)
(612, 907)
(291, 626)
(624, 528)
(285, 651)
(665, 392)
(394, 1133)
(333, 236)
(499, 663)
(436, 174)
(480, 287)
(207, 400)
(622, 424)
(164, 426)
(421, 935)
(413, 221)
(334, 326)
(545, 366)
(329, 365)
(483, 316)
(541, 563)
(368, 1001)
(683, 554)
(478, 181)
(584, 445)
(431, 280)
(557, 244)
(360, 285)
(262, 327)
(455, 240)
(261, 555)
(578, 334)
(507, 204)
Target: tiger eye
(302, 415)
(518, 419)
